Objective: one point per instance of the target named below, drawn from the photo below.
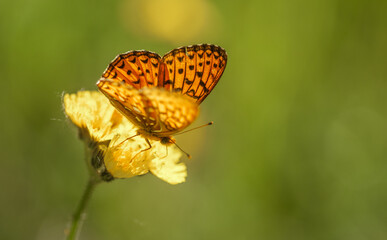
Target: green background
(298, 149)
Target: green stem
(79, 215)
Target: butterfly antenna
(208, 124)
(187, 154)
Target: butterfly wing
(193, 71)
(154, 110)
(136, 68)
(125, 99)
(174, 111)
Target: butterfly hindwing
(174, 111)
(153, 109)
(125, 99)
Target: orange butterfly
(161, 96)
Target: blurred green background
(299, 145)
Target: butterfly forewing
(175, 69)
(194, 70)
(136, 68)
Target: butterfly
(161, 95)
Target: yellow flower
(114, 154)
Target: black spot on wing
(168, 82)
(122, 65)
(191, 93)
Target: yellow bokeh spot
(176, 21)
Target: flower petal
(121, 160)
(169, 168)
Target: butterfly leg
(166, 153)
(146, 149)
(129, 138)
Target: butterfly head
(167, 140)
